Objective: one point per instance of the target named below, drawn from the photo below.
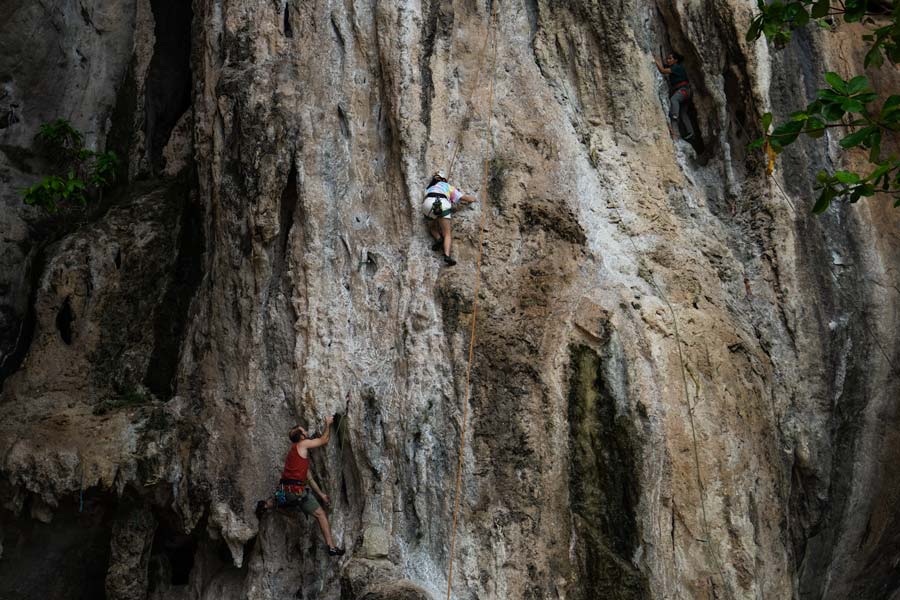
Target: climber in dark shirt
(680, 94)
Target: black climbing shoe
(260, 509)
(438, 244)
(448, 260)
(335, 552)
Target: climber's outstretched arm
(661, 68)
(321, 440)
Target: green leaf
(799, 116)
(755, 29)
(814, 128)
(796, 14)
(828, 95)
(873, 58)
(833, 112)
(893, 52)
(853, 106)
(835, 81)
(874, 143)
(767, 120)
(786, 133)
(847, 177)
(882, 170)
(857, 84)
(820, 8)
(856, 138)
(891, 107)
(855, 10)
(756, 144)
(824, 200)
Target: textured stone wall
(683, 383)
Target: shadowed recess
(603, 485)
(168, 84)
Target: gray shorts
(306, 502)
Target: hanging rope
(707, 543)
(484, 187)
(482, 54)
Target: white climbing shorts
(428, 205)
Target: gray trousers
(678, 111)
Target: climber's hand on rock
(329, 420)
(326, 499)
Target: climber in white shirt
(441, 200)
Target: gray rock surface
(684, 384)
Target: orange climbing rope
(484, 187)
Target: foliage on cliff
(79, 172)
(852, 106)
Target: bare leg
(322, 518)
(433, 229)
(445, 231)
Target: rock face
(683, 386)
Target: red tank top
(295, 466)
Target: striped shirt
(442, 187)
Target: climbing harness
(437, 205)
(487, 158)
(294, 482)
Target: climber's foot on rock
(448, 260)
(335, 552)
(438, 244)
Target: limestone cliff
(684, 384)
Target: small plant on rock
(80, 173)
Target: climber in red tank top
(296, 486)
(296, 468)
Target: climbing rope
(687, 398)
(482, 54)
(487, 158)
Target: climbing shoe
(448, 260)
(260, 509)
(438, 244)
(335, 552)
